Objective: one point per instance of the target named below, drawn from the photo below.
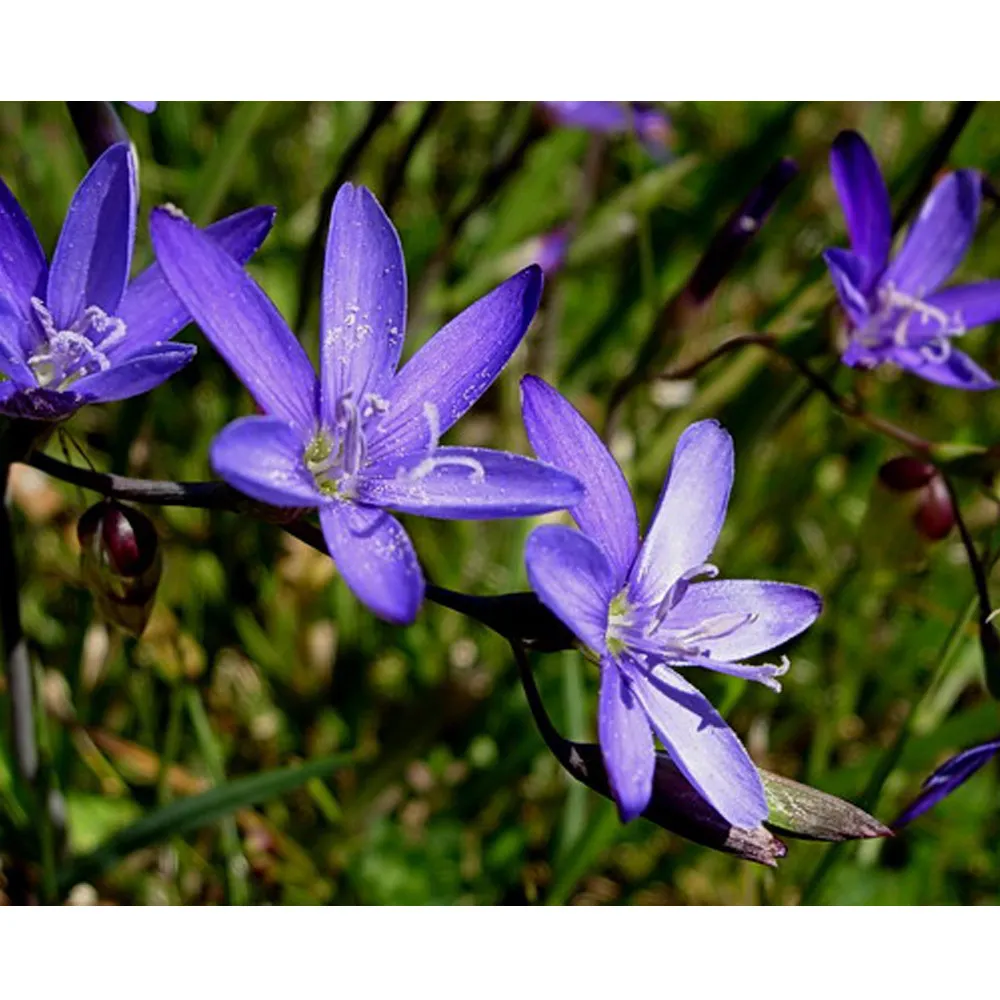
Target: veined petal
(690, 512)
(363, 319)
(626, 742)
(702, 745)
(92, 258)
(136, 374)
(572, 577)
(151, 311)
(559, 435)
(773, 613)
(12, 360)
(239, 319)
(263, 458)
(456, 366)
(940, 237)
(468, 484)
(957, 370)
(969, 305)
(23, 271)
(847, 273)
(375, 557)
(865, 201)
(948, 777)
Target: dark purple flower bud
(935, 516)
(946, 779)
(120, 562)
(98, 126)
(905, 473)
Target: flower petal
(151, 311)
(263, 458)
(146, 107)
(949, 776)
(604, 117)
(363, 320)
(12, 360)
(38, 404)
(969, 305)
(572, 577)
(957, 371)
(702, 745)
(456, 366)
(92, 258)
(559, 435)
(238, 318)
(626, 742)
(847, 272)
(375, 557)
(136, 374)
(865, 201)
(690, 512)
(940, 237)
(469, 484)
(23, 270)
(780, 611)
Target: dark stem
(935, 161)
(975, 563)
(98, 126)
(397, 175)
(380, 112)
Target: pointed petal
(452, 370)
(239, 319)
(572, 577)
(969, 305)
(136, 374)
(375, 557)
(626, 742)
(948, 777)
(957, 371)
(92, 258)
(690, 512)
(12, 360)
(23, 271)
(865, 201)
(151, 311)
(469, 484)
(262, 457)
(364, 300)
(847, 272)
(779, 611)
(940, 237)
(559, 435)
(702, 745)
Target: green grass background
(258, 656)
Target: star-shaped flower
(79, 332)
(897, 310)
(362, 439)
(649, 610)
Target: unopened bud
(906, 473)
(935, 516)
(120, 562)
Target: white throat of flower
(336, 454)
(80, 350)
(899, 318)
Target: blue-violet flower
(647, 609)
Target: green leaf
(198, 810)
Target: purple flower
(896, 309)
(647, 609)
(549, 250)
(362, 439)
(949, 776)
(79, 332)
(614, 118)
(146, 107)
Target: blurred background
(257, 656)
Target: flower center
(335, 455)
(68, 355)
(903, 320)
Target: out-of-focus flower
(362, 439)
(146, 107)
(949, 776)
(897, 311)
(79, 332)
(614, 118)
(549, 250)
(643, 611)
